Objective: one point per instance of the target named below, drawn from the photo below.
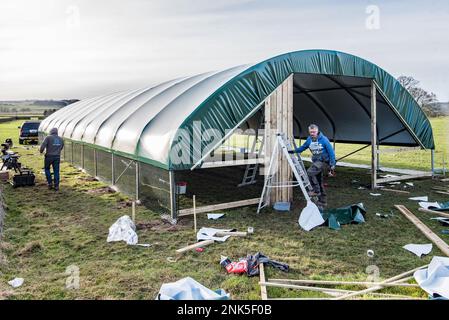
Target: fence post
(113, 173)
(173, 195)
(137, 180)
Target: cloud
(65, 49)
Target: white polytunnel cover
(331, 89)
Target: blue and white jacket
(321, 149)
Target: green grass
(45, 232)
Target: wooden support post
(279, 118)
(194, 213)
(424, 229)
(133, 211)
(373, 137)
(432, 162)
(290, 112)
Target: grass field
(46, 232)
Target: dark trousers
(316, 174)
(52, 161)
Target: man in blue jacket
(52, 145)
(323, 157)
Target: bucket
(181, 187)
(282, 206)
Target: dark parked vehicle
(29, 132)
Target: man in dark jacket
(52, 145)
(323, 157)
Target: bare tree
(427, 100)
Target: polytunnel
(139, 139)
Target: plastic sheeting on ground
(16, 282)
(435, 279)
(189, 289)
(418, 249)
(215, 216)
(310, 217)
(436, 206)
(429, 205)
(442, 206)
(350, 214)
(209, 234)
(123, 230)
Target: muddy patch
(30, 249)
(157, 225)
(124, 204)
(101, 190)
(88, 179)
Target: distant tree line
(58, 103)
(427, 100)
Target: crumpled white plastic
(16, 282)
(189, 289)
(418, 249)
(435, 279)
(214, 216)
(310, 217)
(209, 234)
(427, 205)
(123, 230)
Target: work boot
(56, 187)
(50, 186)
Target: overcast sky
(79, 48)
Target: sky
(64, 49)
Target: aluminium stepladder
(283, 145)
(253, 168)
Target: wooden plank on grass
(404, 177)
(441, 192)
(231, 233)
(424, 229)
(394, 279)
(440, 213)
(263, 288)
(394, 190)
(195, 245)
(440, 188)
(221, 206)
(331, 282)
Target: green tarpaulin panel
(350, 214)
